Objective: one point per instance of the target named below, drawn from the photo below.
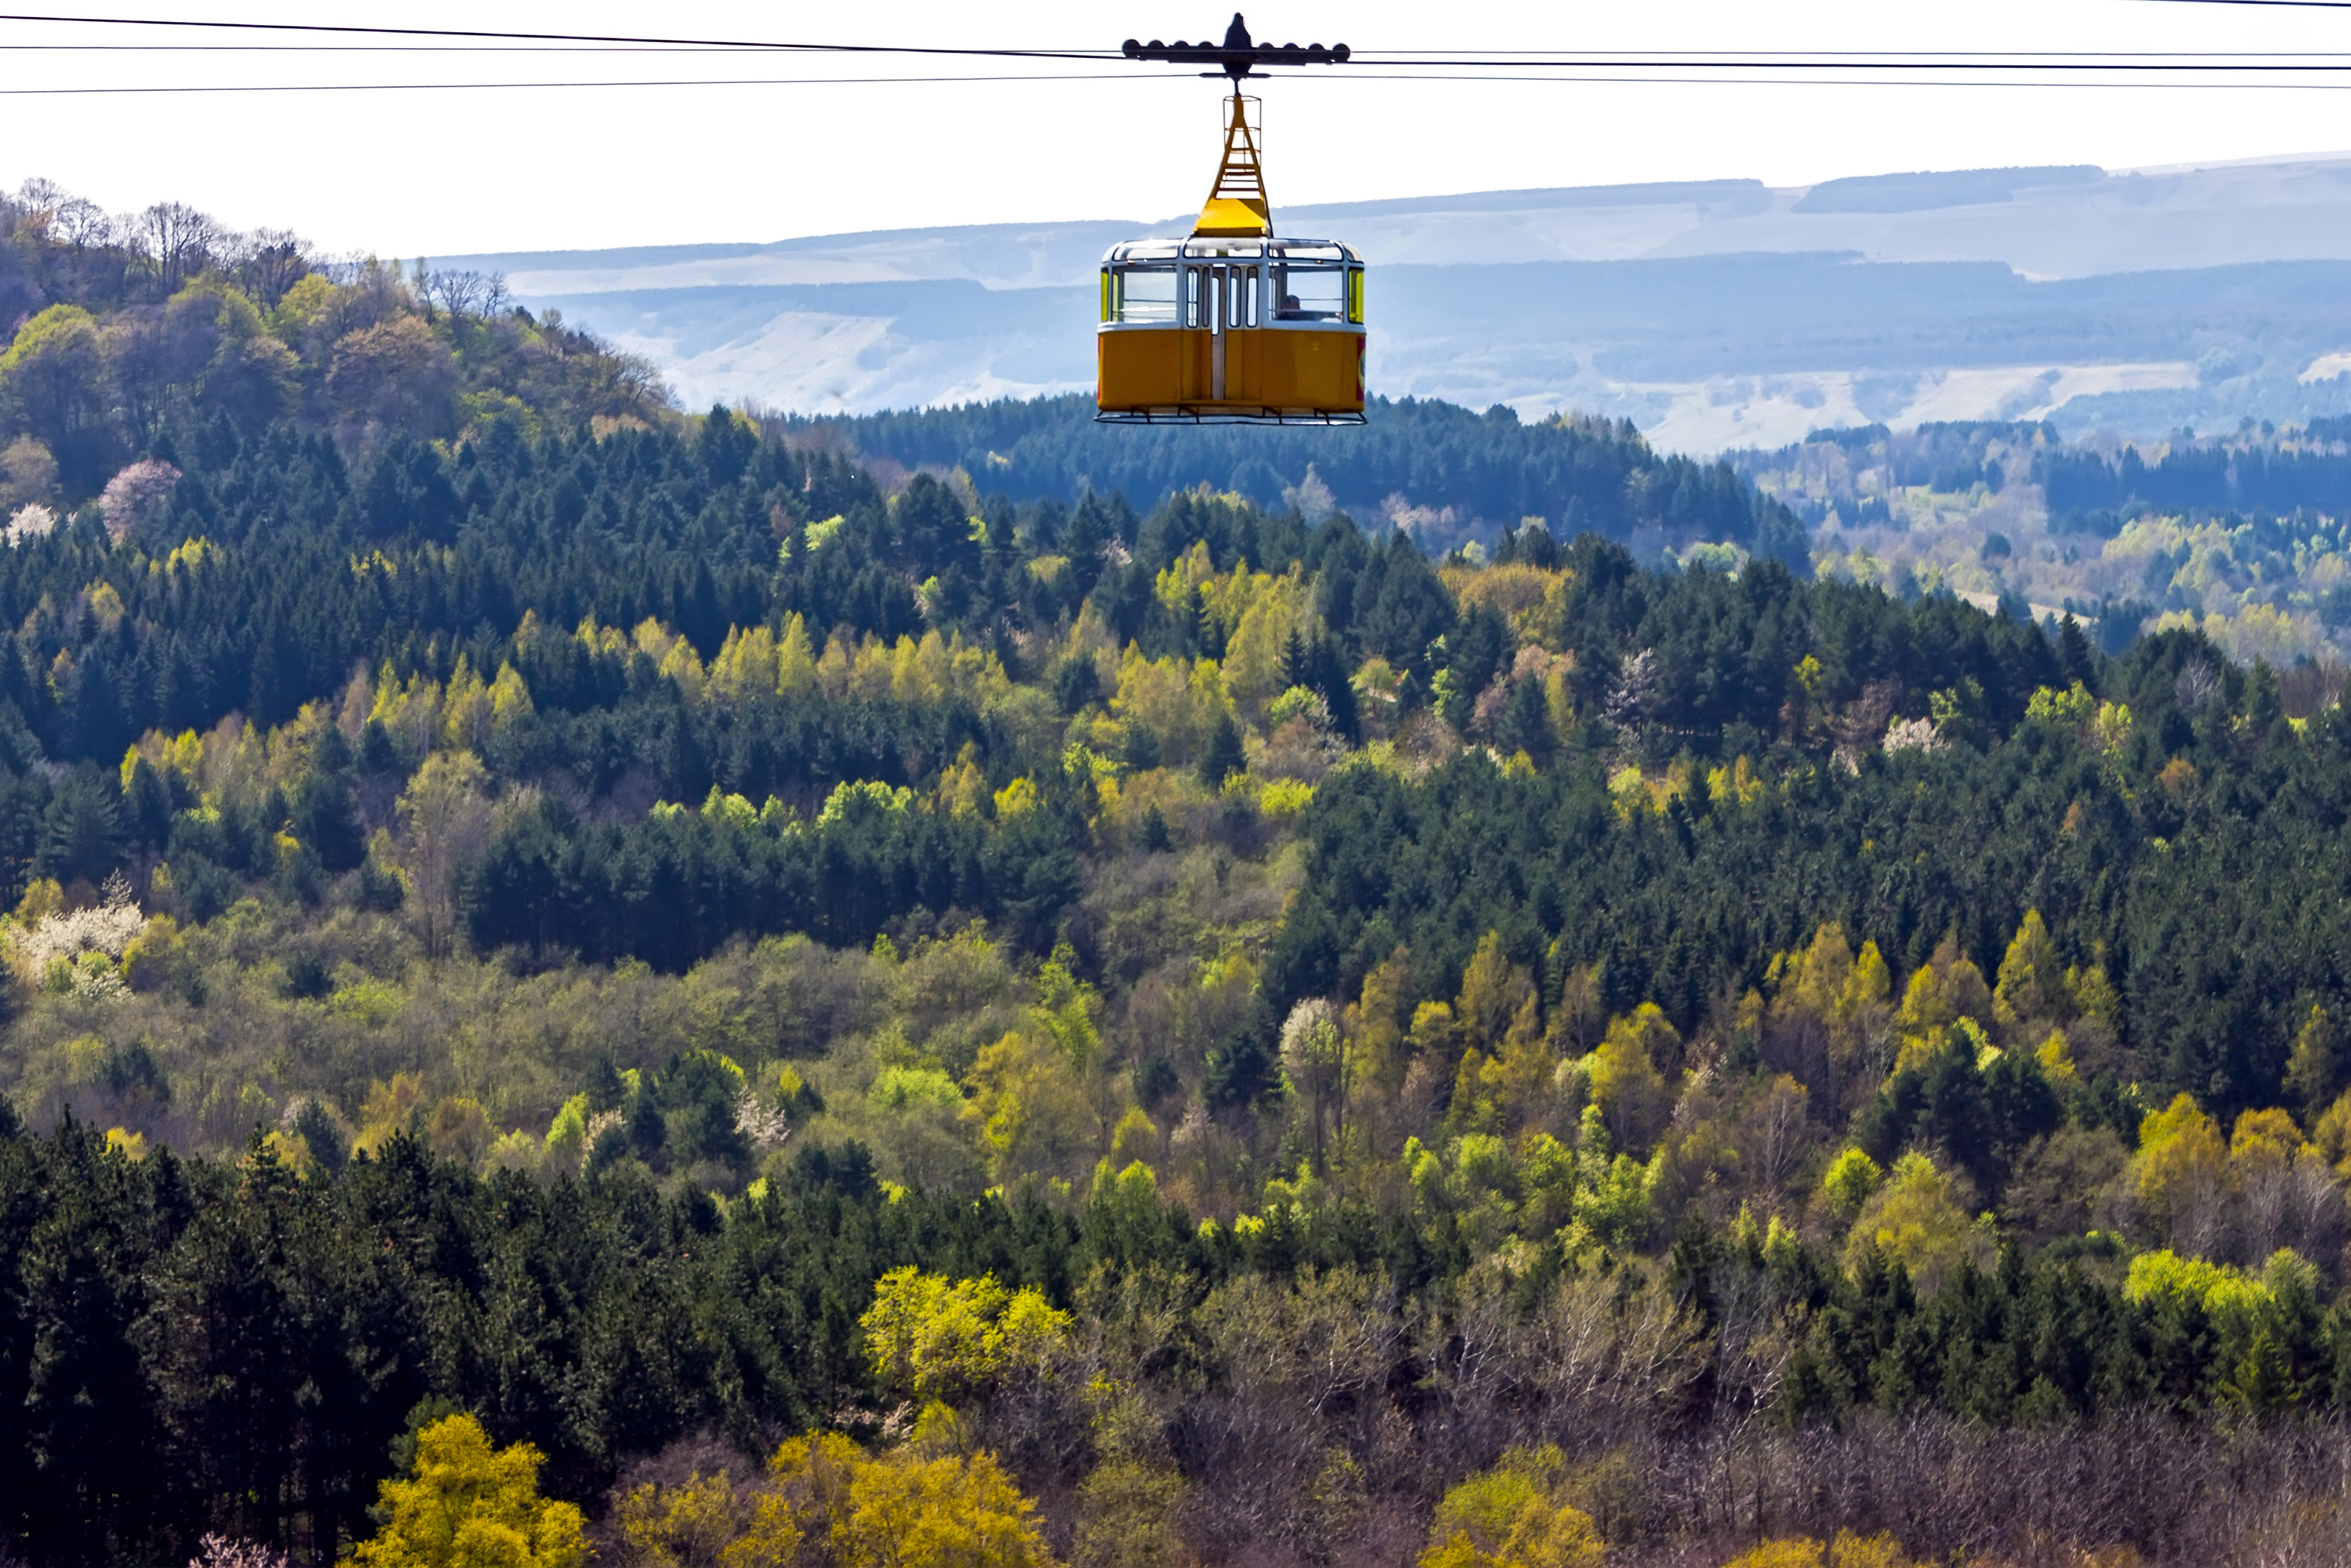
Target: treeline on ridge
(1449, 474)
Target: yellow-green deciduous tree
(1919, 1217)
(1847, 1551)
(2031, 997)
(1030, 1105)
(1375, 1024)
(1852, 1178)
(1626, 1084)
(703, 1522)
(1827, 1000)
(2180, 1174)
(1511, 1517)
(469, 1505)
(942, 1340)
(53, 376)
(1128, 1516)
(444, 818)
(2315, 1071)
(1945, 989)
(908, 1512)
(824, 1503)
(899, 1509)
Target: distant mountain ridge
(1926, 190)
(2045, 221)
(1715, 313)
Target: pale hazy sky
(442, 172)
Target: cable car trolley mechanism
(1232, 324)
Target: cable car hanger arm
(1238, 56)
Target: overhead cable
(1978, 84)
(2298, 5)
(483, 32)
(504, 85)
(2128, 68)
(1497, 59)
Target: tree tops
(124, 329)
(468, 1505)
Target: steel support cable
(2276, 60)
(484, 33)
(1522, 79)
(704, 51)
(1980, 83)
(1515, 60)
(2143, 68)
(509, 86)
(1530, 59)
(2298, 5)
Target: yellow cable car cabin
(1231, 325)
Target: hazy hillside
(1442, 473)
(2045, 223)
(2238, 534)
(1714, 314)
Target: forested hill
(2240, 534)
(134, 336)
(1444, 472)
(1144, 1028)
(2313, 474)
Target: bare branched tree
(177, 239)
(2196, 683)
(466, 293)
(265, 262)
(68, 219)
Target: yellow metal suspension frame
(1238, 206)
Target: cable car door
(1225, 295)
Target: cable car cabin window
(1308, 294)
(1240, 297)
(1143, 293)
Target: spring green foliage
(1848, 1550)
(824, 1501)
(128, 332)
(631, 927)
(944, 1341)
(1507, 1518)
(468, 1505)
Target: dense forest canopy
(1444, 473)
(689, 985)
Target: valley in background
(1713, 314)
